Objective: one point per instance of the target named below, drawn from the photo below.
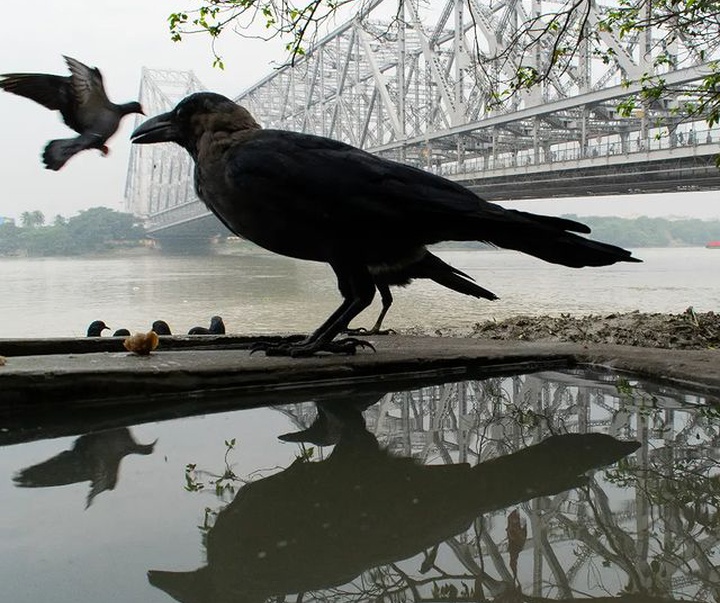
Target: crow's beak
(156, 129)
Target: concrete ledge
(104, 389)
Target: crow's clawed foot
(368, 332)
(262, 345)
(348, 346)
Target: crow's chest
(255, 213)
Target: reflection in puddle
(550, 486)
(93, 458)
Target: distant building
(4, 220)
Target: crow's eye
(179, 114)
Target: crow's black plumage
(95, 328)
(81, 99)
(121, 333)
(429, 266)
(315, 198)
(161, 327)
(217, 327)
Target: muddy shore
(688, 330)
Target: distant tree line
(652, 232)
(639, 232)
(102, 229)
(91, 231)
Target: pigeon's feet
(348, 346)
(366, 332)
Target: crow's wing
(329, 182)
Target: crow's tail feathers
(548, 238)
(568, 249)
(432, 267)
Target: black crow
(80, 97)
(161, 327)
(121, 333)
(319, 199)
(217, 327)
(96, 328)
(431, 267)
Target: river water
(502, 489)
(257, 292)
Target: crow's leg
(358, 289)
(387, 300)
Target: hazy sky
(122, 36)
(119, 37)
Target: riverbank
(688, 330)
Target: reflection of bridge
(646, 522)
(417, 91)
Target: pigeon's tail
(57, 152)
(432, 267)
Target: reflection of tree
(649, 527)
(94, 457)
(364, 523)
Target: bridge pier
(190, 236)
(189, 245)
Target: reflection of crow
(334, 419)
(94, 457)
(318, 199)
(320, 524)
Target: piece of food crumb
(142, 343)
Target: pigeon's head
(133, 107)
(193, 116)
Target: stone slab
(103, 389)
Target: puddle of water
(555, 484)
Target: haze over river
(257, 292)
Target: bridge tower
(418, 84)
(160, 176)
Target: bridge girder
(419, 89)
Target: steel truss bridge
(627, 525)
(418, 87)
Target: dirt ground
(687, 331)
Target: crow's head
(193, 116)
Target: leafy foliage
(636, 232)
(563, 31)
(652, 232)
(294, 21)
(91, 231)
